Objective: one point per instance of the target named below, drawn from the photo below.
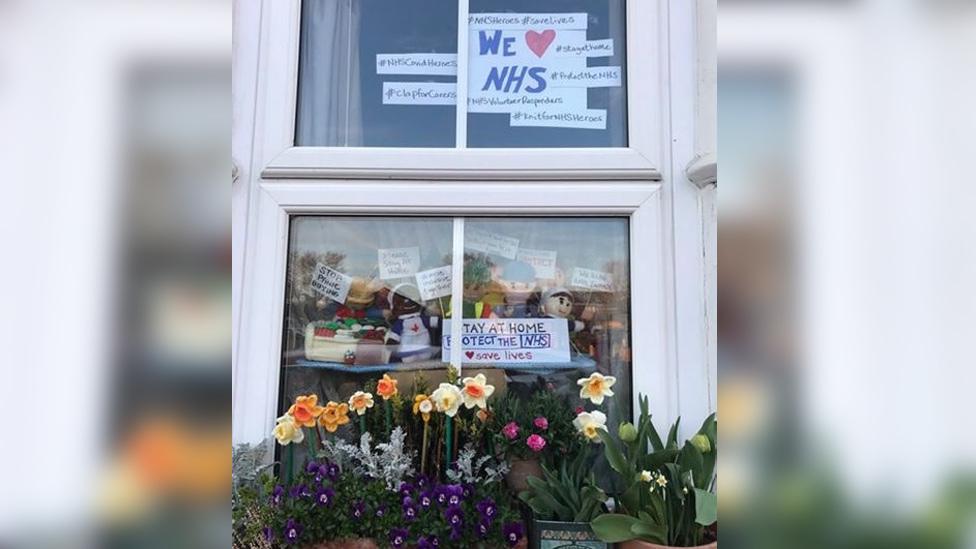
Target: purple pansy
(398, 537)
(332, 471)
(512, 531)
(487, 509)
(454, 492)
(422, 481)
(441, 495)
(409, 509)
(484, 528)
(358, 509)
(424, 543)
(456, 533)
(406, 488)
(268, 534)
(454, 516)
(324, 497)
(467, 490)
(277, 494)
(425, 499)
(381, 511)
(293, 531)
(311, 467)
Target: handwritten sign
(544, 261)
(419, 93)
(434, 283)
(398, 262)
(491, 243)
(444, 64)
(592, 119)
(589, 279)
(331, 283)
(517, 59)
(520, 341)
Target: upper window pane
(377, 73)
(547, 73)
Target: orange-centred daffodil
(360, 401)
(334, 416)
(306, 410)
(476, 390)
(596, 387)
(386, 387)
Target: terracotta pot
(521, 470)
(637, 544)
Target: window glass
(377, 73)
(547, 73)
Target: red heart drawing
(469, 354)
(539, 42)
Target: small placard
(544, 261)
(589, 48)
(434, 283)
(331, 283)
(589, 279)
(491, 243)
(589, 119)
(419, 93)
(398, 262)
(511, 341)
(518, 21)
(442, 64)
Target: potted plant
(563, 503)
(666, 496)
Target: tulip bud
(702, 443)
(627, 432)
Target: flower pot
(637, 544)
(550, 534)
(522, 469)
(346, 544)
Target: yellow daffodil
(661, 481)
(360, 401)
(589, 425)
(287, 431)
(596, 387)
(646, 476)
(306, 410)
(423, 405)
(476, 390)
(334, 416)
(447, 399)
(386, 387)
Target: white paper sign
(544, 261)
(331, 283)
(419, 93)
(518, 341)
(417, 63)
(491, 243)
(592, 119)
(589, 279)
(506, 21)
(589, 48)
(592, 77)
(434, 283)
(398, 262)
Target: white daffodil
(596, 387)
(476, 390)
(589, 424)
(661, 481)
(287, 431)
(360, 401)
(447, 399)
(646, 476)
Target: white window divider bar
(457, 293)
(461, 110)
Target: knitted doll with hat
(411, 325)
(518, 281)
(558, 303)
(360, 302)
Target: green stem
(423, 449)
(288, 463)
(389, 417)
(448, 436)
(362, 424)
(312, 440)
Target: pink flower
(580, 410)
(511, 431)
(541, 423)
(536, 442)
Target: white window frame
(641, 160)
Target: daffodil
(306, 410)
(447, 399)
(596, 387)
(287, 431)
(386, 387)
(476, 391)
(360, 401)
(334, 416)
(423, 405)
(589, 425)
(646, 476)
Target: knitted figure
(518, 281)
(410, 330)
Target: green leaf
(649, 531)
(706, 507)
(613, 527)
(691, 459)
(614, 456)
(673, 434)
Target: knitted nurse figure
(411, 327)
